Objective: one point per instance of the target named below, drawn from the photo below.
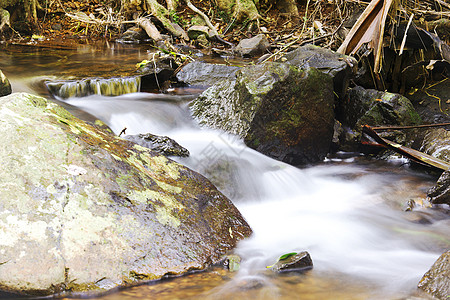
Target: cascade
(94, 86)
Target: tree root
(205, 17)
(161, 13)
(149, 28)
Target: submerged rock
(83, 210)
(437, 280)
(278, 109)
(204, 74)
(161, 144)
(5, 86)
(256, 45)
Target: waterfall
(94, 86)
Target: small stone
(195, 31)
(161, 144)
(298, 262)
(254, 46)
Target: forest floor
(316, 21)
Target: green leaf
(142, 64)
(287, 255)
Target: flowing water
(347, 212)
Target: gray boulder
(256, 45)
(161, 144)
(83, 210)
(5, 86)
(278, 109)
(341, 67)
(204, 74)
(437, 280)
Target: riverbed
(349, 212)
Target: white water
(342, 213)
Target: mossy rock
(82, 210)
(278, 109)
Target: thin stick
(404, 36)
(410, 127)
(205, 17)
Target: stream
(348, 212)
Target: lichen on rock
(96, 211)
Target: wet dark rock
(375, 108)
(161, 144)
(436, 142)
(440, 193)
(437, 280)
(278, 109)
(204, 74)
(5, 86)
(298, 262)
(341, 67)
(254, 46)
(97, 212)
(156, 72)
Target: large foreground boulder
(437, 280)
(278, 109)
(83, 210)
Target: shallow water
(347, 212)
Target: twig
(296, 40)
(205, 17)
(381, 128)
(404, 36)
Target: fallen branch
(415, 155)
(409, 127)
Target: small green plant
(176, 18)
